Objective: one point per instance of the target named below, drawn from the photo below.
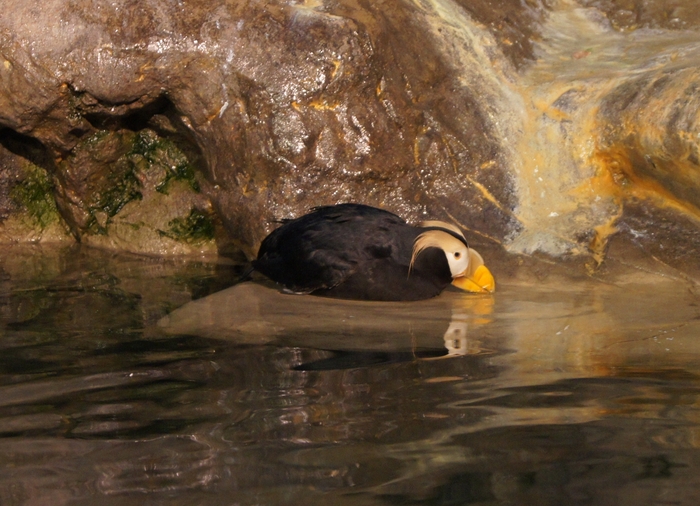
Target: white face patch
(456, 251)
(458, 259)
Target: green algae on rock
(35, 195)
(162, 154)
(134, 186)
(195, 228)
(32, 215)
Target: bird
(355, 251)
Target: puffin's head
(466, 265)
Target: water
(116, 390)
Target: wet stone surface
(279, 107)
(533, 125)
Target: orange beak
(480, 282)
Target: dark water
(546, 394)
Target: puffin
(354, 251)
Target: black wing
(323, 248)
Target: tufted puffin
(353, 251)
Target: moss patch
(144, 152)
(123, 187)
(135, 190)
(35, 195)
(195, 228)
(163, 153)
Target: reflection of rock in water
(253, 313)
(588, 387)
(557, 327)
(360, 359)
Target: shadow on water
(117, 387)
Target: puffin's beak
(481, 281)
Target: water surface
(115, 389)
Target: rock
(631, 14)
(179, 128)
(28, 211)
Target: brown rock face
(182, 127)
(279, 107)
(632, 14)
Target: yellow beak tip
(480, 282)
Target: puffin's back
(321, 249)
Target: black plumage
(352, 251)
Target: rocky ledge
(564, 128)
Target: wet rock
(632, 14)
(515, 25)
(279, 107)
(650, 132)
(28, 211)
(623, 106)
(192, 127)
(657, 238)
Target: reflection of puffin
(353, 251)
